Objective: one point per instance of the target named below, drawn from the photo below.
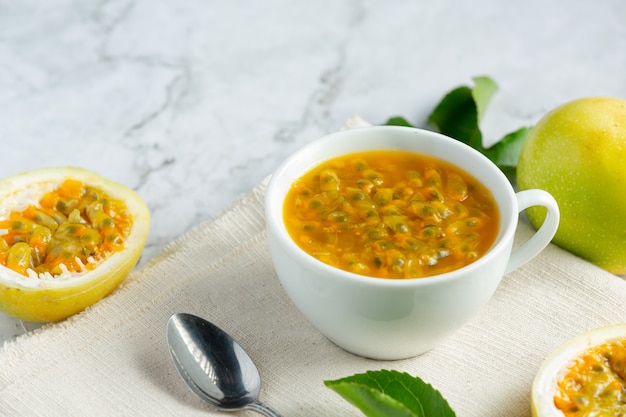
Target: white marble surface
(194, 102)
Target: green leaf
(398, 121)
(387, 393)
(459, 113)
(484, 89)
(458, 116)
(505, 153)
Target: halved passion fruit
(68, 237)
(584, 377)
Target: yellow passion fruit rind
(113, 221)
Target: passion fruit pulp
(586, 376)
(69, 237)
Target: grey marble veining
(192, 103)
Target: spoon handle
(263, 409)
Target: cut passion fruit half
(584, 377)
(68, 237)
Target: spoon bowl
(214, 365)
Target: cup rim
(274, 201)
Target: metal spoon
(214, 366)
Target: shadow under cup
(398, 318)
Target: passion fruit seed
(68, 238)
(19, 258)
(584, 377)
(73, 228)
(595, 381)
(385, 215)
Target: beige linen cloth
(112, 359)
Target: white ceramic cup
(394, 319)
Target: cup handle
(544, 235)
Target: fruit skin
(54, 300)
(577, 153)
(544, 384)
